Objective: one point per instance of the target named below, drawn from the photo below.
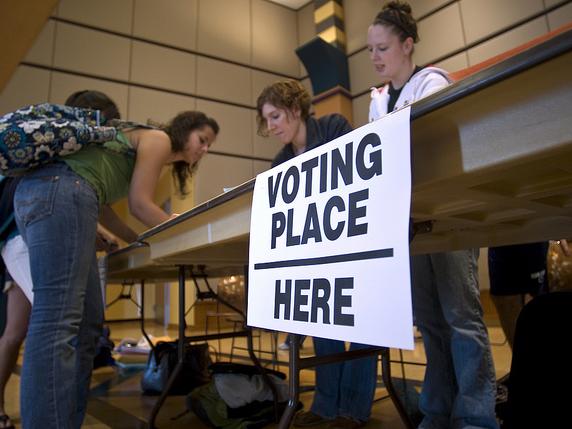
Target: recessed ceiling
(292, 4)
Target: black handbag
(162, 362)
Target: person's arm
(564, 246)
(105, 241)
(153, 152)
(109, 219)
(432, 83)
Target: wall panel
(306, 30)
(362, 73)
(223, 81)
(90, 51)
(112, 15)
(43, 49)
(483, 17)
(225, 29)
(440, 34)
(358, 17)
(508, 40)
(274, 38)
(560, 17)
(28, 85)
(454, 63)
(423, 7)
(169, 68)
(159, 106)
(173, 22)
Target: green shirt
(107, 167)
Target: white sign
(329, 239)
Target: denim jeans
(459, 387)
(56, 212)
(344, 388)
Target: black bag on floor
(162, 362)
(103, 350)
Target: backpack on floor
(218, 403)
(103, 350)
(162, 361)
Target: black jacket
(318, 132)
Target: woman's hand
(105, 241)
(114, 224)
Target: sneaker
(284, 346)
(346, 423)
(308, 418)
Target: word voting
(293, 193)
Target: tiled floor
(116, 400)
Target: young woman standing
(459, 386)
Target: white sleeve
(433, 83)
(373, 113)
(378, 104)
(17, 260)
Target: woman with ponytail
(459, 386)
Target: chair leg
(232, 345)
(218, 330)
(275, 350)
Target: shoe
(308, 418)
(284, 346)
(346, 423)
(5, 422)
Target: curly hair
(289, 95)
(397, 15)
(178, 131)
(92, 99)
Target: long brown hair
(178, 131)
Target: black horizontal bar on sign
(348, 257)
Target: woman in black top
(344, 391)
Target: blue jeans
(56, 212)
(344, 388)
(459, 387)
